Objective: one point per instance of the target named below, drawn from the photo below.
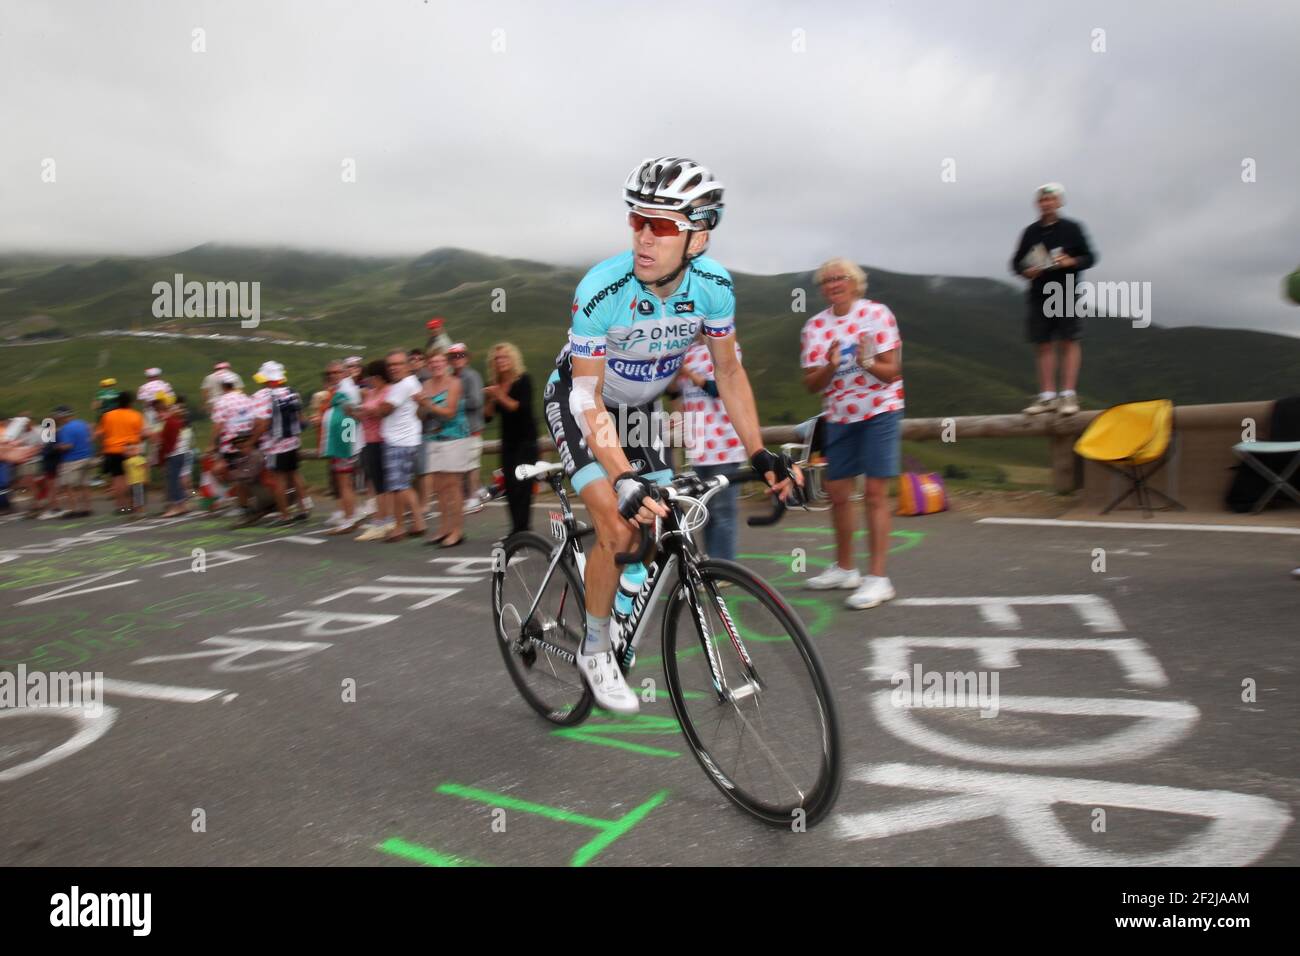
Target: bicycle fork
(693, 583)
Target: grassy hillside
(964, 351)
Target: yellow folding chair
(1131, 440)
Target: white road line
(1140, 525)
(999, 610)
(178, 695)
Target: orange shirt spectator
(119, 430)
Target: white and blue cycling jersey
(643, 338)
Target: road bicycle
(746, 684)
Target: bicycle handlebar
(645, 547)
(779, 507)
(649, 535)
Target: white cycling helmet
(678, 184)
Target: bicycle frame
(675, 552)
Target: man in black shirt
(1050, 250)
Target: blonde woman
(510, 395)
(852, 353)
(447, 449)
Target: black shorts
(283, 462)
(372, 465)
(113, 464)
(637, 433)
(1041, 327)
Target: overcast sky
(509, 128)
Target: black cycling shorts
(637, 432)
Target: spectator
(472, 392)
(106, 398)
(401, 434)
(246, 472)
(174, 451)
(447, 449)
(352, 385)
(438, 339)
(7, 449)
(1050, 250)
(212, 382)
(377, 381)
(342, 448)
(712, 446)
(121, 434)
(510, 398)
(232, 414)
(47, 481)
(277, 415)
(852, 353)
(24, 452)
(75, 443)
(153, 387)
(415, 360)
(319, 405)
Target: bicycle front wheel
(766, 733)
(539, 649)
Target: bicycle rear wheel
(771, 741)
(539, 654)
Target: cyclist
(634, 317)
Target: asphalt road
(1127, 730)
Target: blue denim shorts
(870, 448)
(399, 466)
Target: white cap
(227, 378)
(270, 372)
(153, 372)
(1056, 189)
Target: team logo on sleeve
(586, 348)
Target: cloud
(508, 127)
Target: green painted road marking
(637, 724)
(908, 539)
(423, 854)
(607, 830)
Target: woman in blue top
(446, 449)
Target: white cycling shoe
(602, 675)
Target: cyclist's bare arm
(738, 398)
(601, 431)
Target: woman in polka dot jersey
(712, 445)
(852, 354)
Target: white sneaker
(49, 514)
(1041, 406)
(374, 532)
(874, 592)
(1067, 405)
(472, 506)
(602, 675)
(834, 577)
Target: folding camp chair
(1247, 451)
(1131, 440)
